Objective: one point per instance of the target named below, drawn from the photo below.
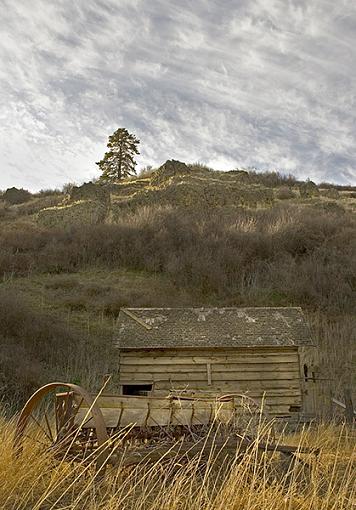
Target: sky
(269, 84)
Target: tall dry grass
(253, 481)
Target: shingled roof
(162, 328)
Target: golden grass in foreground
(250, 482)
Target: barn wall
(273, 372)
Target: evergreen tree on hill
(119, 161)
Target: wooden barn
(266, 352)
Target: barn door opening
(137, 389)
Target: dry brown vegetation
(281, 254)
(61, 289)
(36, 347)
(284, 255)
(254, 481)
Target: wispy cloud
(269, 83)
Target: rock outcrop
(85, 212)
(88, 204)
(89, 191)
(16, 196)
(174, 184)
(170, 168)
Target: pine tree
(119, 161)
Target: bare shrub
(285, 255)
(47, 193)
(37, 347)
(95, 289)
(200, 167)
(339, 187)
(285, 193)
(62, 282)
(271, 179)
(20, 372)
(308, 189)
(331, 207)
(75, 303)
(67, 188)
(214, 254)
(146, 171)
(331, 193)
(3, 209)
(336, 341)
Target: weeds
(282, 256)
(37, 347)
(306, 256)
(205, 482)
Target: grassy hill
(179, 235)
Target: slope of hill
(180, 235)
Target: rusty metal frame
(94, 409)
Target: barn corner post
(116, 358)
(309, 380)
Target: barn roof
(162, 328)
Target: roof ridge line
(213, 308)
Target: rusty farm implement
(127, 429)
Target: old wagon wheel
(251, 418)
(49, 422)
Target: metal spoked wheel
(47, 422)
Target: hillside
(178, 235)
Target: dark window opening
(137, 389)
(294, 409)
(305, 373)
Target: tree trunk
(119, 173)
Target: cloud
(269, 84)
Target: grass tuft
(252, 481)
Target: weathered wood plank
(125, 401)
(151, 417)
(136, 318)
(269, 401)
(159, 368)
(288, 393)
(143, 414)
(202, 368)
(196, 360)
(272, 351)
(227, 387)
(216, 376)
(253, 376)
